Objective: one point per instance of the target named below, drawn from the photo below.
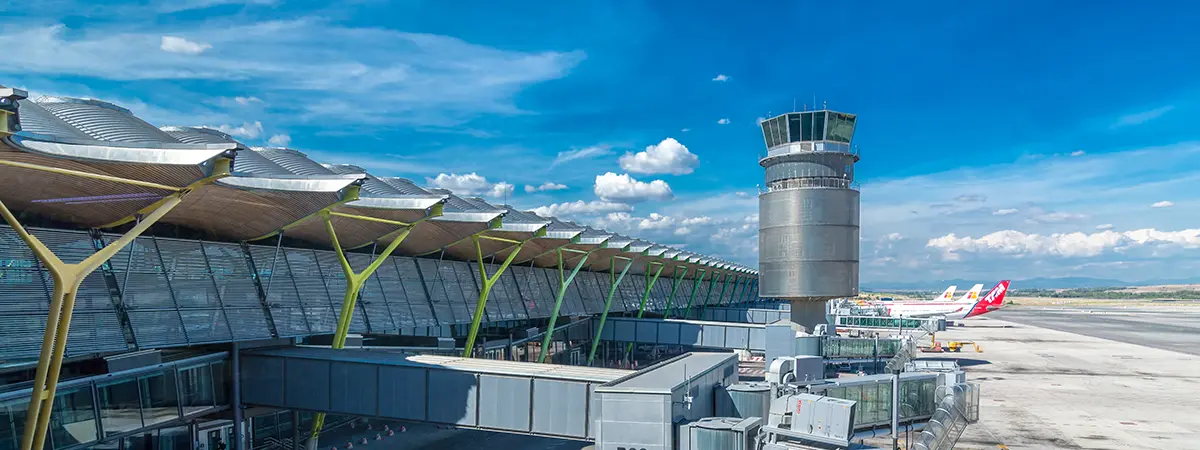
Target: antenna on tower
(814, 101)
(793, 104)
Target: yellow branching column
(67, 278)
(487, 282)
(355, 280)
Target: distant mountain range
(1031, 283)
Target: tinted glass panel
(221, 384)
(159, 400)
(73, 421)
(766, 133)
(841, 127)
(794, 125)
(12, 423)
(196, 386)
(120, 407)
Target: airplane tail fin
(972, 295)
(948, 294)
(992, 301)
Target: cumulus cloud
(668, 156)
(1104, 226)
(175, 44)
(544, 187)
(581, 153)
(1162, 204)
(624, 188)
(580, 207)
(723, 121)
(721, 78)
(625, 222)
(246, 130)
(501, 190)
(279, 140)
(465, 184)
(1004, 212)
(246, 100)
(1077, 244)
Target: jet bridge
(506, 396)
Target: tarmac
(1112, 378)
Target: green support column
(674, 287)
(724, 286)
(750, 290)
(712, 283)
(563, 283)
(696, 285)
(614, 281)
(650, 280)
(738, 289)
(354, 282)
(488, 282)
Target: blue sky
(999, 139)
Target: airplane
(960, 309)
(947, 295)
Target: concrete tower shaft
(809, 212)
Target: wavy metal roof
(268, 189)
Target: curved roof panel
(104, 121)
(36, 120)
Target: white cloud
(683, 231)
(501, 190)
(247, 130)
(723, 121)
(624, 188)
(668, 156)
(721, 78)
(466, 184)
(1142, 117)
(1078, 153)
(581, 153)
(580, 207)
(175, 44)
(367, 75)
(627, 223)
(247, 100)
(971, 198)
(1004, 212)
(185, 5)
(1056, 217)
(1105, 226)
(279, 140)
(1075, 244)
(685, 130)
(1162, 204)
(545, 187)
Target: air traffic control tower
(808, 212)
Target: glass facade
(175, 292)
(841, 127)
(123, 405)
(874, 399)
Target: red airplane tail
(992, 301)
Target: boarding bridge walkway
(110, 406)
(505, 396)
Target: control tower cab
(808, 212)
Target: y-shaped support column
(614, 280)
(738, 284)
(695, 286)
(674, 287)
(486, 289)
(712, 284)
(563, 283)
(354, 283)
(650, 280)
(67, 278)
